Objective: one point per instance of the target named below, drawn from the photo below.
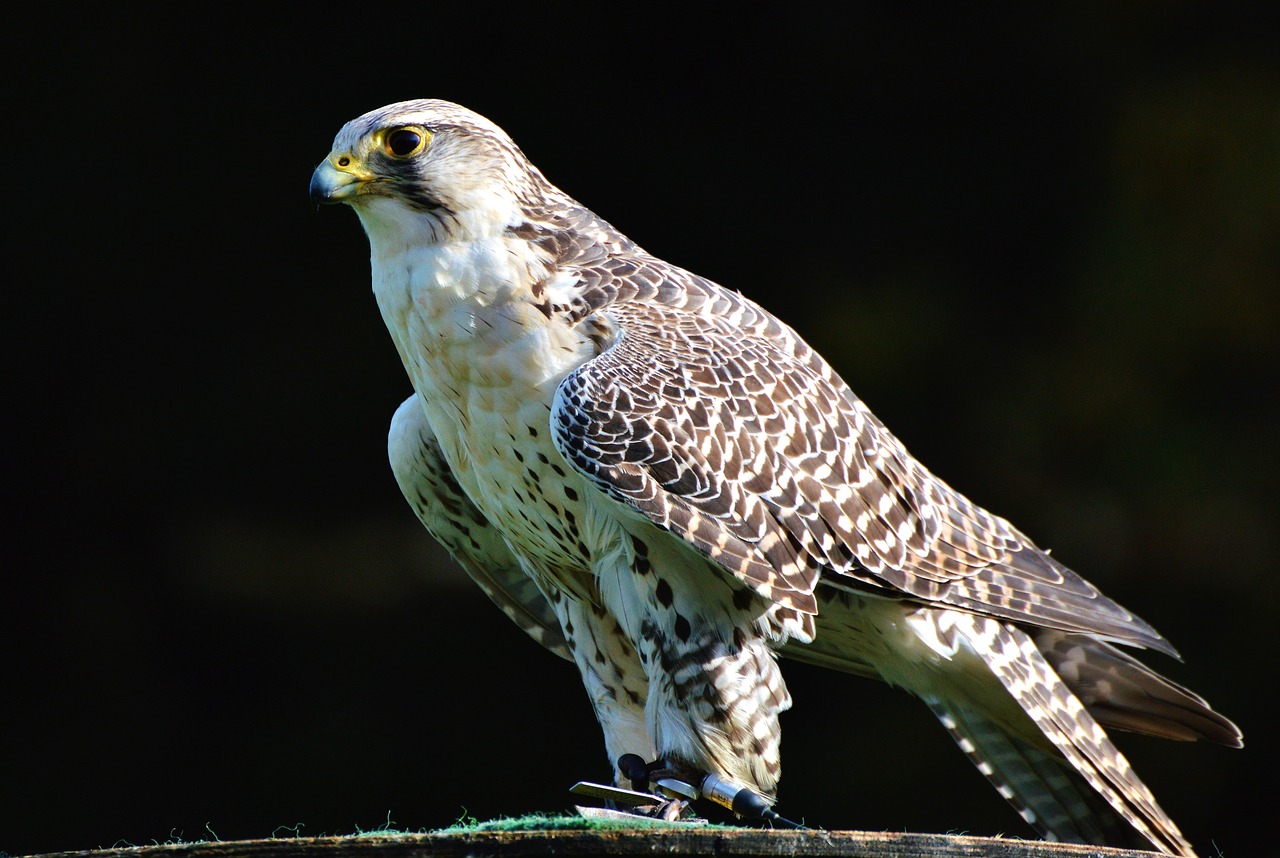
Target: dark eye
(403, 142)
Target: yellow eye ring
(406, 142)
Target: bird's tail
(1044, 790)
(1060, 800)
(1038, 732)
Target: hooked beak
(338, 179)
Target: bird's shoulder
(603, 271)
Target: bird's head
(431, 168)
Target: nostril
(344, 161)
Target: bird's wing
(429, 486)
(1122, 693)
(719, 423)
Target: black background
(1043, 246)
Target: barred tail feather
(1036, 780)
(1025, 673)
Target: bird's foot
(682, 784)
(675, 784)
(667, 810)
(663, 789)
(659, 790)
(621, 803)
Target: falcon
(663, 483)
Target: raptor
(660, 481)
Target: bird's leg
(635, 769)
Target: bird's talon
(671, 810)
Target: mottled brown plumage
(656, 478)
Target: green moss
(558, 822)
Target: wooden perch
(718, 842)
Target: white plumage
(659, 480)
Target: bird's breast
(486, 362)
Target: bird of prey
(660, 481)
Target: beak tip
(330, 186)
(318, 192)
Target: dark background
(1044, 247)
